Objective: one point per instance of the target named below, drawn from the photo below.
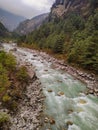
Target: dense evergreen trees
(74, 36)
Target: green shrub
(4, 118)
(10, 62)
(4, 81)
(22, 74)
(13, 106)
(7, 60)
(9, 102)
(6, 98)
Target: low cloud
(26, 8)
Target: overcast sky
(27, 8)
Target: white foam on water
(73, 127)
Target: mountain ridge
(29, 25)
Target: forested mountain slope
(71, 30)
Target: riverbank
(89, 78)
(64, 100)
(27, 114)
(30, 107)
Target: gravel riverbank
(30, 108)
(27, 116)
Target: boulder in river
(91, 91)
(50, 90)
(96, 90)
(45, 70)
(82, 101)
(60, 93)
(46, 120)
(52, 121)
(69, 123)
(59, 81)
(70, 111)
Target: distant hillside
(3, 31)
(10, 20)
(28, 26)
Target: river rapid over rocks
(58, 95)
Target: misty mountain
(9, 20)
(28, 26)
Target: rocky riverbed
(59, 88)
(89, 78)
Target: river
(66, 106)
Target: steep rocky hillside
(62, 8)
(28, 26)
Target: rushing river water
(65, 103)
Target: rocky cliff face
(63, 7)
(28, 26)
